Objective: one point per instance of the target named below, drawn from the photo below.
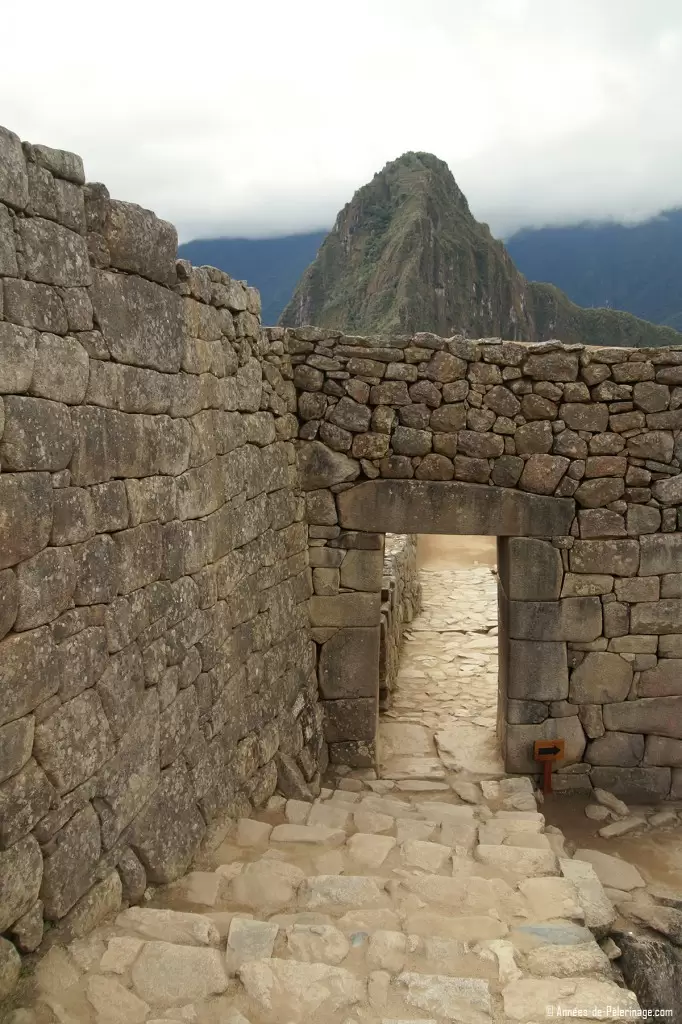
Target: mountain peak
(407, 255)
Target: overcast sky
(261, 118)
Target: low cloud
(262, 120)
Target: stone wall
(401, 598)
(155, 657)
(572, 455)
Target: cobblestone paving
(448, 665)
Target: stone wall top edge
(320, 335)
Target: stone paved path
(429, 895)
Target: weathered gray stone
(34, 305)
(572, 618)
(542, 473)
(166, 975)
(661, 553)
(166, 835)
(352, 609)
(669, 490)
(127, 780)
(27, 932)
(53, 254)
(68, 869)
(579, 585)
(10, 968)
(665, 680)
(349, 663)
(26, 520)
(634, 785)
(17, 346)
(13, 177)
(37, 435)
(319, 466)
(139, 553)
(600, 522)
(617, 557)
(72, 743)
(350, 719)
(638, 588)
(21, 871)
(403, 506)
(26, 672)
(24, 799)
(660, 617)
(659, 715)
(8, 600)
(642, 519)
(662, 751)
(600, 678)
(534, 570)
(537, 670)
(177, 723)
(616, 748)
(72, 516)
(45, 587)
(599, 492)
(140, 321)
(656, 444)
(139, 242)
(16, 743)
(61, 370)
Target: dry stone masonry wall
(401, 600)
(572, 456)
(156, 666)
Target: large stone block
(633, 785)
(177, 724)
(140, 321)
(139, 556)
(24, 800)
(617, 557)
(27, 672)
(533, 570)
(519, 740)
(13, 174)
(616, 748)
(661, 553)
(121, 687)
(663, 752)
(128, 780)
(600, 678)
(33, 305)
(80, 660)
(353, 719)
(21, 872)
(8, 600)
(74, 742)
(73, 517)
(139, 242)
(659, 715)
(362, 570)
(96, 570)
(58, 162)
(353, 609)
(665, 680)
(37, 435)
(349, 663)
(25, 515)
(557, 366)
(537, 670)
(46, 584)
(660, 617)
(16, 743)
(17, 358)
(319, 466)
(69, 868)
(167, 833)
(61, 370)
(572, 618)
(53, 254)
(418, 506)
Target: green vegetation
(407, 255)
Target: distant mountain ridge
(636, 268)
(273, 265)
(407, 255)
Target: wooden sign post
(548, 751)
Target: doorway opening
(444, 695)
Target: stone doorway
(347, 626)
(444, 695)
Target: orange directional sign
(548, 750)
